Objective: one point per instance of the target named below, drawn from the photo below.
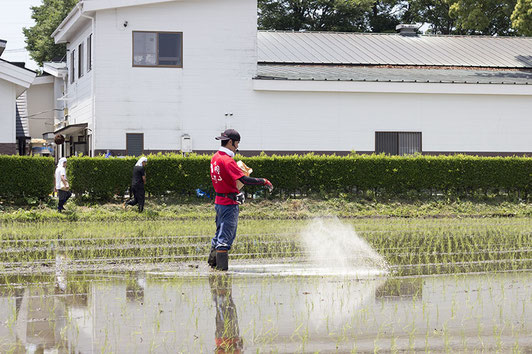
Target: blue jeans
(226, 224)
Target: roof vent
(408, 30)
(2, 45)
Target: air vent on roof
(407, 29)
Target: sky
(14, 15)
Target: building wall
(7, 118)
(214, 91)
(40, 98)
(219, 61)
(336, 121)
(79, 94)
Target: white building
(145, 74)
(14, 80)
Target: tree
(486, 17)
(47, 18)
(522, 17)
(433, 12)
(314, 15)
(385, 15)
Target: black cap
(229, 134)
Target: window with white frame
(158, 49)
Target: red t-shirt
(224, 174)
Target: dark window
(89, 53)
(72, 68)
(134, 144)
(398, 143)
(158, 49)
(80, 60)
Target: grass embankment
(164, 209)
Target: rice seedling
(453, 284)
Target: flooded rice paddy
(324, 285)
(154, 312)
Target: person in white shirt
(61, 184)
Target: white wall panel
(7, 112)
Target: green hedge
(311, 174)
(102, 178)
(25, 177)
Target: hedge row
(24, 177)
(103, 178)
(309, 174)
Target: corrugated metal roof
(393, 49)
(22, 126)
(360, 73)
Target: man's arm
(144, 179)
(256, 182)
(65, 182)
(251, 181)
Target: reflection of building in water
(135, 287)
(40, 320)
(227, 332)
(61, 264)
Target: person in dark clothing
(224, 175)
(137, 184)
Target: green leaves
(522, 17)
(24, 179)
(104, 178)
(47, 18)
(310, 174)
(486, 17)
(313, 15)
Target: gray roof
(393, 49)
(360, 73)
(57, 64)
(22, 127)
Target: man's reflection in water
(227, 333)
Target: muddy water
(250, 311)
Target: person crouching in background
(62, 188)
(137, 184)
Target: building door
(134, 144)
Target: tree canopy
(314, 15)
(522, 17)
(47, 18)
(486, 17)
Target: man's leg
(62, 200)
(212, 255)
(133, 201)
(140, 195)
(68, 194)
(226, 235)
